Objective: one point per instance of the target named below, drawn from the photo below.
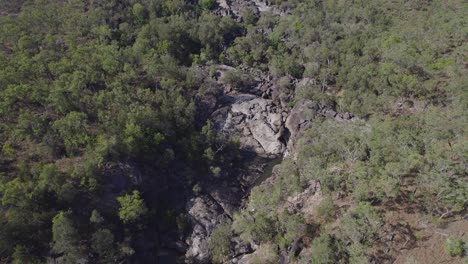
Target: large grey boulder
(301, 115)
(299, 119)
(205, 214)
(266, 136)
(258, 124)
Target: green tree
(96, 217)
(102, 243)
(65, 237)
(139, 12)
(132, 207)
(207, 4)
(72, 128)
(324, 250)
(21, 255)
(259, 226)
(327, 208)
(361, 224)
(220, 243)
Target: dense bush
(93, 90)
(88, 89)
(220, 243)
(325, 250)
(454, 247)
(327, 208)
(361, 224)
(207, 4)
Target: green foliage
(220, 243)
(102, 243)
(207, 4)
(102, 88)
(290, 228)
(54, 181)
(314, 92)
(265, 254)
(327, 208)
(361, 224)
(15, 193)
(259, 226)
(372, 161)
(454, 247)
(335, 147)
(358, 253)
(182, 223)
(238, 80)
(197, 189)
(65, 237)
(8, 150)
(213, 32)
(21, 255)
(72, 129)
(411, 260)
(93, 90)
(96, 217)
(368, 50)
(324, 250)
(139, 12)
(132, 207)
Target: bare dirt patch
(409, 235)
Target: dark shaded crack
(220, 205)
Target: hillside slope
(233, 131)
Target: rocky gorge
(267, 121)
(263, 114)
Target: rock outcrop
(254, 116)
(238, 9)
(267, 127)
(258, 124)
(205, 214)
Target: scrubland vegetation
(93, 90)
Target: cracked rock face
(257, 122)
(266, 136)
(238, 8)
(205, 214)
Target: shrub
(197, 189)
(182, 223)
(21, 255)
(238, 80)
(132, 207)
(65, 237)
(411, 260)
(207, 4)
(220, 242)
(102, 243)
(454, 247)
(362, 223)
(73, 130)
(292, 227)
(96, 217)
(327, 208)
(358, 253)
(324, 250)
(259, 227)
(265, 254)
